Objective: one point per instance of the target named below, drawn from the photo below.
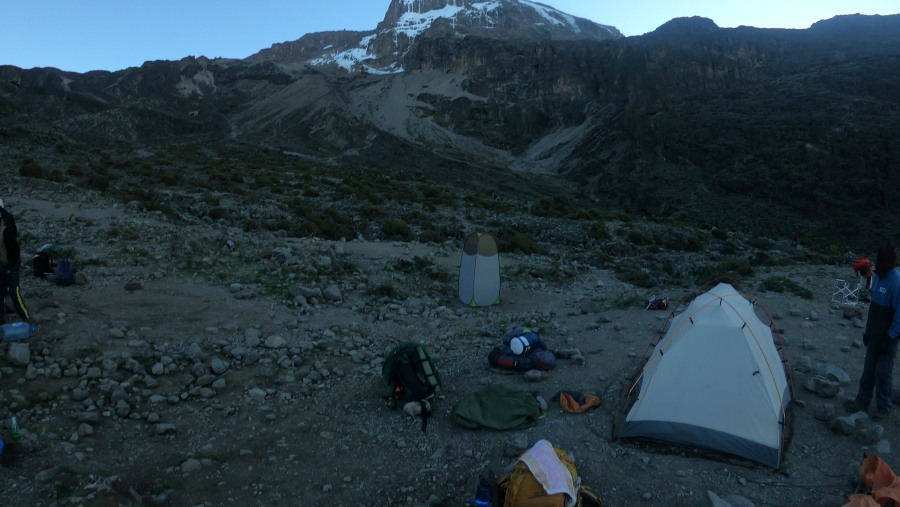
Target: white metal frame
(844, 294)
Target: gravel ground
(168, 377)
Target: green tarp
(497, 407)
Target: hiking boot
(852, 406)
(881, 416)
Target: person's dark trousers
(878, 374)
(9, 283)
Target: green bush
(557, 207)
(598, 230)
(623, 302)
(435, 195)
(436, 234)
(384, 290)
(636, 237)
(727, 268)
(98, 182)
(75, 170)
(783, 284)
(218, 213)
(394, 228)
(693, 244)
(168, 178)
(415, 265)
(486, 201)
(519, 242)
(590, 214)
(760, 243)
(718, 234)
(639, 278)
(729, 247)
(371, 211)
(263, 181)
(328, 224)
(762, 259)
(31, 169)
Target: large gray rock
(19, 353)
(849, 425)
(332, 293)
(834, 373)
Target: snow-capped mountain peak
(406, 20)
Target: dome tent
(716, 380)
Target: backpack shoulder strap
(3, 255)
(425, 413)
(587, 497)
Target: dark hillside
(789, 133)
(780, 130)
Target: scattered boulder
(833, 373)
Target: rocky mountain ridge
(687, 123)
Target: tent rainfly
(716, 380)
(479, 271)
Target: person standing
(863, 268)
(881, 337)
(10, 265)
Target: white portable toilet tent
(479, 271)
(716, 380)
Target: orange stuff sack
(885, 484)
(576, 403)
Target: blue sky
(88, 35)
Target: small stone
(218, 366)
(275, 342)
(165, 429)
(191, 465)
(825, 412)
(257, 394)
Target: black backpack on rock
(411, 377)
(42, 263)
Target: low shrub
(384, 290)
(726, 268)
(31, 169)
(396, 229)
(718, 234)
(783, 284)
(519, 242)
(599, 230)
(218, 213)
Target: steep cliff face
(676, 123)
(309, 47)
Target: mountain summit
(382, 50)
(500, 18)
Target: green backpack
(411, 377)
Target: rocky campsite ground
(151, 382)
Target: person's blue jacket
(884, 319)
